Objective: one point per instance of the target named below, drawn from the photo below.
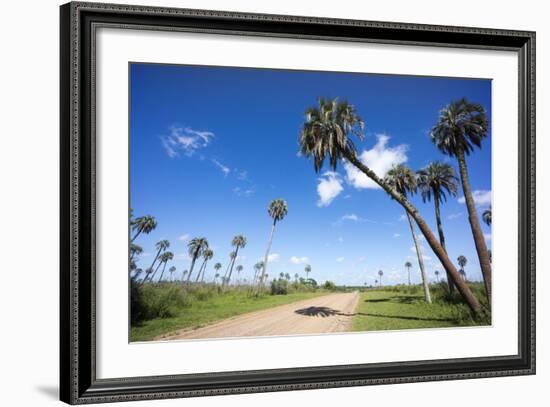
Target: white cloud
(488, 236)
(481, 197)
(273, 257)
(379, 159)
(396, 235)
(402, 218)
(454, 216)
(299, 260)
(351, 216)
(246, 192)
(329, 187)
(226, 170)
(185, 140)
(184, 237)
(339, 259)
(242, 175)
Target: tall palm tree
(462, 261)
(461, 127)
(135, 250)
(165, 258)
(239, 268)
(143, 224)
(161, 247)
(207, 254)
(408, 266)
(172, 270)
(436, 275)
(277, 210)
(217, 267)
(257, 268)
(183, 275)
(232, 257)
(326, 133)
(216, 277)
(307, 269)
(296, 278)
(437, 180)
(287, 276)
(238, 242)
(488, 216)
(380, 273)
(403, 180)
(195, 246)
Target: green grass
(405, 308)
(200, 312)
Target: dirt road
(329, 313)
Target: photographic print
(270, 202)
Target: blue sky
(210, 147)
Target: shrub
(279, 287)
(156, 301)
(329, 285)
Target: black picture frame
(78, 382)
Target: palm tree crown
(163, 245)
(326, 131)
(461, 126)
(277, 209)
(402, 179)
(143, 224)
(197, 245)
(437, 179)
(408, 264)
(462, 261)
(239, 241)
(488, 216)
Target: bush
(329, 285)
(156, 301)
(279, 287)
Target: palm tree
(437, 180)
(408, 265)
(143, 224)
(326, 132)
(462, 261)
(239, 268)
(195, 246)
(165, 258)
(296, 278)
(216, 277)
(436, 275)
(257, 268)
(172, 270)
(238, 242)
(307, 269)
(403, 180)
(461, 127)
(161, 247)
(375, 282)
(488, 216)
(380, 273)
(277, 210)
(207, 254)
(232, 257)
(185, 272)
(287, 276)
(217, 267)
(135, 250)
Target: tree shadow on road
(322, 312)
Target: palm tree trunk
(449, 267)
(136, 235)
(162, 273)
(264, 268)
(479, 239)
(427, 295)
(442, 237)
(200, 271)
(409, 273)
(232, 264)
(195, 255)
(204, 271)
(155, 272)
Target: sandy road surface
(329, 313)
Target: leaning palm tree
(408, 266)
(195, 246)
(135, 250)
(403, 180)
(380, 273)
(238, 242)
(165, 258)
(461, 127)
(207, 254)
(172, 270)
(232, 257)
(161, 247)
(327, 133)
(277, 210)
(462, 261)
(307, 269)
(488, 216)
(143, 224)
(437, 180)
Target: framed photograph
(254, 203)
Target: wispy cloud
(353, 217)
(329, 187)
(402, 218)
(454, 215)
(246, 192)
(339, 259)
(481, 197)
(226, 170)
(396, 235)
(380, 159)
(488, 236)
(184, 237)
(273, 257)
(185, 140)
(299, 260)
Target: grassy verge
(200, 310)
(405, 308)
